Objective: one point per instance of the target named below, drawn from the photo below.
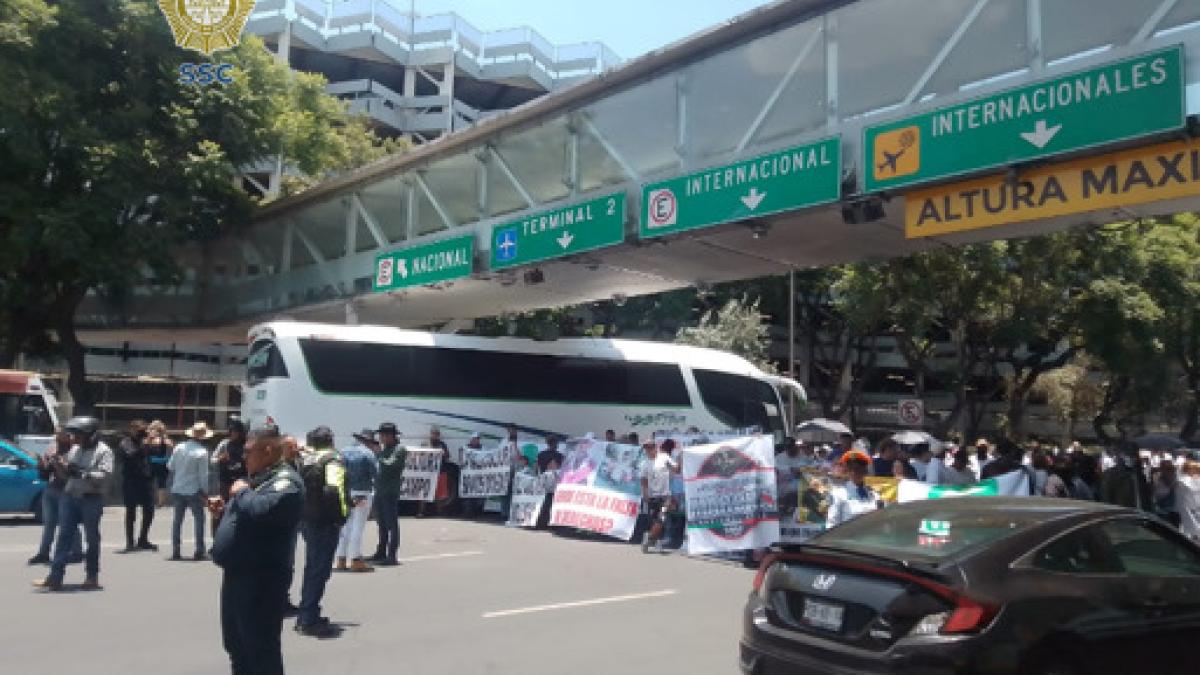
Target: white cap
(475, 435)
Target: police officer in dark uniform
(254, 546)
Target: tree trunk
(1192, 423)
(75, 354)
(1113, 395)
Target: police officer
(88, 467)
(254, 546)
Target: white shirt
(657, 474)
(189, 468)
(846, 503)
(1187, 502)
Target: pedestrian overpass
(806, 133)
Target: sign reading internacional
(1137, 176)
(428, 264)
(1123, 100)
(794, 178)
(560, 232)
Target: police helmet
(86, 426)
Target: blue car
(20, 486)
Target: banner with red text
(598, 489)
(731, 499)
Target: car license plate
(822, 615)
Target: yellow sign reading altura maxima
(1137, 176)
(207, 25)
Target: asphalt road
(470, 597)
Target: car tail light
(931, 624)
(763, 568)
(968, 617)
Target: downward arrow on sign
(565, 240)
(753, 199)
(1041, 134)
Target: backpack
(322, 502)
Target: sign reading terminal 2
(560, 232)
(794, 178)
(1118, 101)
(1114, 180)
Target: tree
(840, 333)
(736, 327)
(1074, 392)
(108, 162)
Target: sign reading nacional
(1114, 102)
(428, 264)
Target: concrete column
(410, 81)
(283, 51)
(222, 417)
(447, 89)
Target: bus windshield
(264, 361)
(740, 402)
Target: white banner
(1013, 483)
(731, 498)
(598, 488)
(421, 467)
(484, 473)
(528, 495)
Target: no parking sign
(911, 412)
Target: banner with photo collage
(598, 488)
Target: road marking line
(440, 556)
(580, 603)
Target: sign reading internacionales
(1123, 100)
(440, 261)
(1137, 176)
(794, 178)
(560, 232)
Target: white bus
(303, 375)
(28, 411)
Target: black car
(982, 585)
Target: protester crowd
(834, 483)
(263, 492)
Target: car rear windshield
(930, 536)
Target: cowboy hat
(199, 432)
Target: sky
(630, 27)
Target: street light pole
(791, 348)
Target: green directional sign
(560, 232)
(794, 178)
(428, 264)
(1126, 99)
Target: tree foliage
(735, 327)
(108, 162)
